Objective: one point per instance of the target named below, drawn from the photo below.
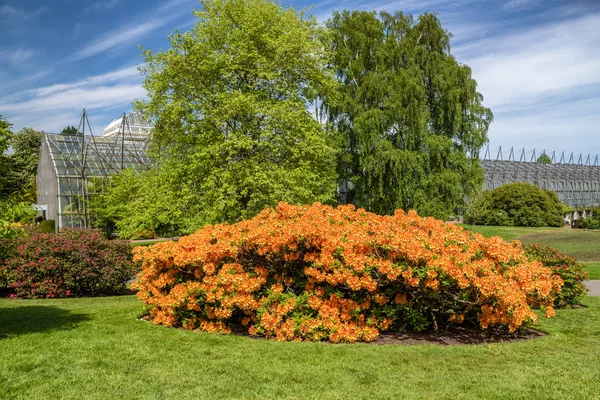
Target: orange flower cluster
(339, 274)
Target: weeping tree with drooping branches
(410, 114)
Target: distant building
(71, 167)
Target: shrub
(516, 204)
(592, 222)
(315, 273)
(74, 263)
(47, 226)
(567, 267)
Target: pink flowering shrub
(74, 263)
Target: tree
(517, 204)
(231, 101)
(543, 159)
(5, 138)
(71, 131)
(23, 163)
(410, 115)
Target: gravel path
(594, 287)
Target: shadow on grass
(33, 319)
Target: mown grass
(581, 243)
(507, 232)
(592, 269)
(97, 349)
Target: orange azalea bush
(340, 274)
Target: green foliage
(543, 159)
(567, 267)
(592, 222)
(72, 263)
(231, 101)
(47, 226)
(13, 214)
(70, 131)
(22, 165)
(140, 206)
(5, 137)
(410, 115)
(516, 204)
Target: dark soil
(455, 337)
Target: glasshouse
(72, 167)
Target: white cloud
(76, 30)
(117, 37)
(100, 6)
(125, 74)
(14, 12)
(51, 108)
(135, 31)
(522, 68)
(15, 56)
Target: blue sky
(537, 62)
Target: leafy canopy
(544, 159)
(231, 100)
(21, 165)
(412, 120)
(70, 130)
(517, 204)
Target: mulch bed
(455, 337)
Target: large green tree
(410, 114)
(22, 163)
(232, 103)
(5, 138)
(70, 130)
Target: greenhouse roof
(88, 156)
(132, 124)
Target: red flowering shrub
(74, 263)
(317, 272)
(567, 267)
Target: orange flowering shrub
(339, 274)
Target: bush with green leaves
(592, 222)
(565, 266)
(47, 226)
(516, 204)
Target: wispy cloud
(101, 6)
(76, 30)
(15, 57)
(20, 13)
(135, 31)
(117, 37)
(520, 68)
(125, 74)
(51, 108)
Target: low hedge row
(340, 274)
(73, 263)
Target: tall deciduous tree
(23, 162)
(5, 137)
(410, 113)
(70, 130)
(544, 159)
(231, 100)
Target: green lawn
(97, 349)
(507, 232)
(593, 270)
(581, 243)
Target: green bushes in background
(516, 204)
